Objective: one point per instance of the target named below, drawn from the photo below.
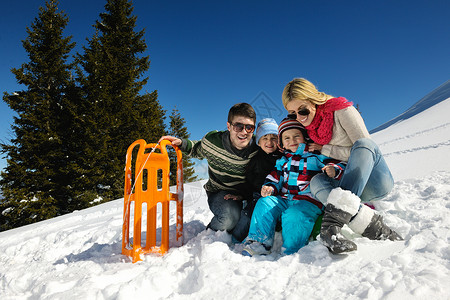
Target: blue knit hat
(266, 126)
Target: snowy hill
(436, 96)
(416, 146)
(78, 256)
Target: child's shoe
(253, 248)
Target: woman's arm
(353, 124)
(349, 128)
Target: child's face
(292, 138)
(268, 143)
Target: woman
(338, 131)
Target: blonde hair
(302, 89)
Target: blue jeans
(228, 215)
(366, 175)
(297, 219)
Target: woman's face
(296, 105)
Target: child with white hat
(259, 166)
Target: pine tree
(116, 113)
(177, 128)
(37, 178)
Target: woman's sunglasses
(301, 112)
(238, 127)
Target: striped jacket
(226, 164)
(293, 172)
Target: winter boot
(371, 225)
(341, 207)
(253, 248)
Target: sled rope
(137, 176)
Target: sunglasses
(301, 112)
(238, 127)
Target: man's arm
(191, 148)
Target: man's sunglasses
(301, 112)
(238, 127)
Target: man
(228, 153)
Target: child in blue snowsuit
(256, 171)
(286, 194)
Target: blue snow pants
(297, 221)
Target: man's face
(241, 131)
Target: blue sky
(208, 55)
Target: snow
(417, 146)
(344, 200)
(78, 256)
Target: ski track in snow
(78, 256)
(409, 136)
(438, 145)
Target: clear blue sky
(208, 55)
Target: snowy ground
(420, 145)
(78, 256)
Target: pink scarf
(321, 128)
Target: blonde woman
(338, 131)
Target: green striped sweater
(226, 164)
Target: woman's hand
(233, 197)
(314, 147)
(266, 190)
(330, 171)
(175, 141)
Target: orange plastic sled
(151, 186)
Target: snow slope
(416, 146)
(438, 95)
(78, 256)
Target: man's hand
(266, 190)
(175, 141)
(330, 171)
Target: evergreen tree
(116, 113)
(36, 181)
(177, 128)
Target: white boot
(371, 225)
(362, 219)
(341, 206)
